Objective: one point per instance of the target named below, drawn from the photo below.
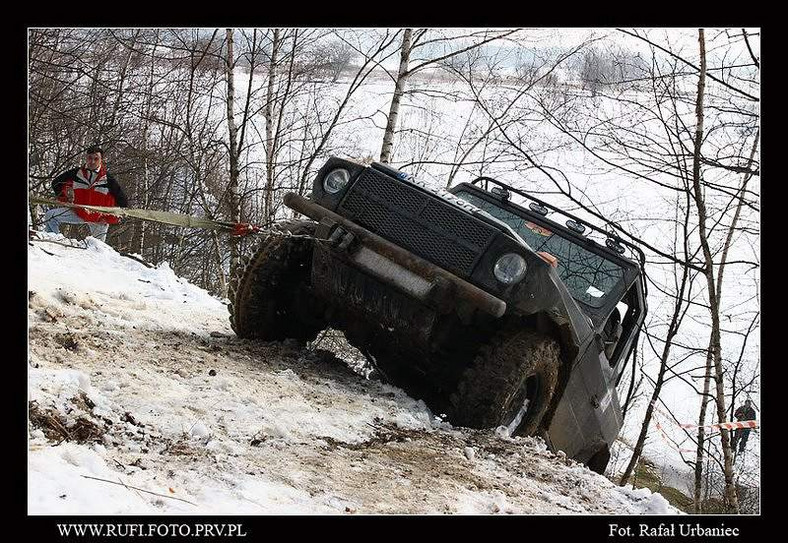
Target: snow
(128, 351)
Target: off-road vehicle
(494, 312)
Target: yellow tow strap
(165, 217)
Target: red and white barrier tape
(719, 426)
(724, 425)
(670, 441)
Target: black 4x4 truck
(495, 313)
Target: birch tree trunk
(704, 402)
(143, 196)
(399, 90)
(270, 151)
(234, 199)
(714, 303)
(707, 377)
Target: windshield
(588, 276)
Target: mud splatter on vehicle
(499, 314)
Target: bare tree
(411, 41)
(684, 279)
(686, 156)
(710, 359)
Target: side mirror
(600, 342)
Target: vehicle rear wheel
(510, 383)
(269, 295)
(598, 462)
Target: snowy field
(142, 401)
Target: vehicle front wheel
(510, 383)
(270, 298)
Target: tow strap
(165, 217)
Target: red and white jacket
(91, 188)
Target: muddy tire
(269, 293)
(514, 367)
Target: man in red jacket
(89, 185)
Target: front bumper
(391, 264)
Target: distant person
(744, 412)
(89, 185)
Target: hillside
(143, 401)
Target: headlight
(510, 268)
(336, 180)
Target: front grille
(424, 224)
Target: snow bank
(89, 279)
